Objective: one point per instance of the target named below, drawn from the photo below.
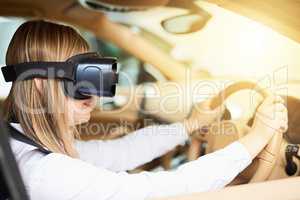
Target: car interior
(145, 71)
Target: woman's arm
(134, 149)
(57, 176)
(143, 145)
(69, 178)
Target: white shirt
(99, 173)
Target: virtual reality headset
(82, 75)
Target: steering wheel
(265, 161)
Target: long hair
(42, 113)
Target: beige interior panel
(282, 15)
(285, 189)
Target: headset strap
(17, 135)
(29, 70)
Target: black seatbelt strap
(17, 135)
(11, 183)
(4, 194)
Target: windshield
(230, 45)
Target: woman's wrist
(256, 140)
(263, 134)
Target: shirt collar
(17, 126)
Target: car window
(8, 27)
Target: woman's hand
(202, 116)
(271, 118)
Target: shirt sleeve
(134, 149)
(58, 176)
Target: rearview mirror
(184, 24)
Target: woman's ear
(39, 84)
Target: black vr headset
(82, 75)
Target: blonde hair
(41, 113)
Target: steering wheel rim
(267, 157)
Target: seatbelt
(17, 135)
(11, 183)
(4, 194)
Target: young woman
(96, 169)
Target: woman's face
(79, 111)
